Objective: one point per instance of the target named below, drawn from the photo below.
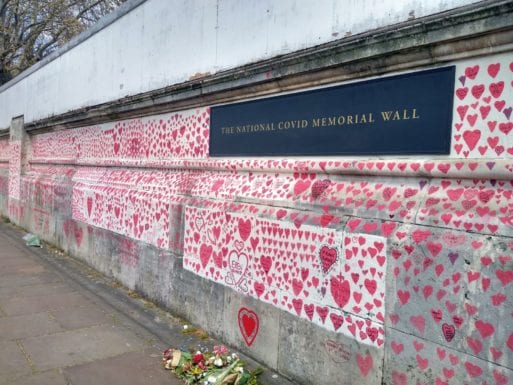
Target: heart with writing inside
(248, 325)
(328, 256)
(238, 265)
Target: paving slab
(27, 268)
(32, 325)
(10, 252)
(37, 304)
(52, 377)
(80, 346)
(12, 361)
(24, 280)
(144, 369)
(14, 259)
(34, 290)
(80, 317)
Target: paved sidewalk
(54, 331)
(63, 323)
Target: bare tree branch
(31, 29)
(3, 6)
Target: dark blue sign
(399, 115)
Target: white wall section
(165, 42)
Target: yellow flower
(196, 371)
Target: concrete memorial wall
(332, 270)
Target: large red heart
(244, 228)
(248, 325)
(340, 290)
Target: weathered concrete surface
(264, 345)
(418, 359)
(17, 164)
(319, 357)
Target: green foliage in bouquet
(210, 368)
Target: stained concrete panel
(169, 264)
(316, 356)
(455, 289)
(125, 260)
(73, 236)
(413, 360)
(252, 326)
(198, 300)
(148, 270)
(100, 252)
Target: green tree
(31, 29)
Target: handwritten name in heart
(237, 266)
(328, 256)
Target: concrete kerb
(156, 326)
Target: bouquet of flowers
(209, 368)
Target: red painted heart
(448, 331)
(89, 205)
(244, 228)
(471, 72)
(248, 325)
(365, 363)
(340, 290)
(205, 253)
(319, 186)
(328, 258)
(493, 69)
